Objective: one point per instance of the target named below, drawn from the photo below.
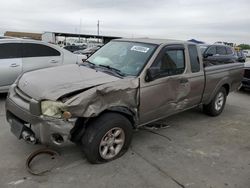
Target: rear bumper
(246, 82)
(43, 127)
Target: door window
(38, 50)
(171, 62)
(211, 50)
(229, 50)
(194, 58)
(10, 50)
(221, 50)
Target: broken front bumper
(46, 130)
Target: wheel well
(129, 116)
(82, 123)
(227, 87)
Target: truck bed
(216, 76)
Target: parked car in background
(217, 54)
(126, 84)
(73, 48)
(246, 78)
(241, 56)
(247, 53)
(203, 47)
(20, 55)
(88, 51)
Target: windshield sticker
(140, 49)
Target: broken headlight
(52, 108)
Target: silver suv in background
(21, 55)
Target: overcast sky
(207, 20)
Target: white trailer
(49, 37)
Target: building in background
(62, 39)
(35, 36)
(78, 39)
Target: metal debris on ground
(155, 126)
(54, 156)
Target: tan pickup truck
(126, 84)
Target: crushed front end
(24, 115)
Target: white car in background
(21, 55)
(246, 53)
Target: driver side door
(167, 93)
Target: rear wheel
(216, 106)
(107, 138)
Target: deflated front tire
(107, 138)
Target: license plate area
(17, 128)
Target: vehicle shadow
(3, 96)
(244, 91)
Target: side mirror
(81, 59)
(84, 58)
(152, 73)
(205, 55)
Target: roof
(10, 39)
(19, 40)
(153, 41)
(196, 41)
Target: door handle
(183, 81)
(53, 61)
(14, 65)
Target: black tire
(98, 129)
(211, 108)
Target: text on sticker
(140, 49)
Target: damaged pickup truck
(128, 83)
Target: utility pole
(98, 29)
(80, 28)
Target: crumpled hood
(52, 83)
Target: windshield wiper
(117, 71)
(90, 63)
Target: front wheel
(107, 138)
(216, 106)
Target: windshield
(203, 48)
(127, 57)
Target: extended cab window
(38, 50)
(10, 50)
(194, 58)
(171, 62)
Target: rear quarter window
(38, 50)
(194, 58)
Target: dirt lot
(194, 150)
